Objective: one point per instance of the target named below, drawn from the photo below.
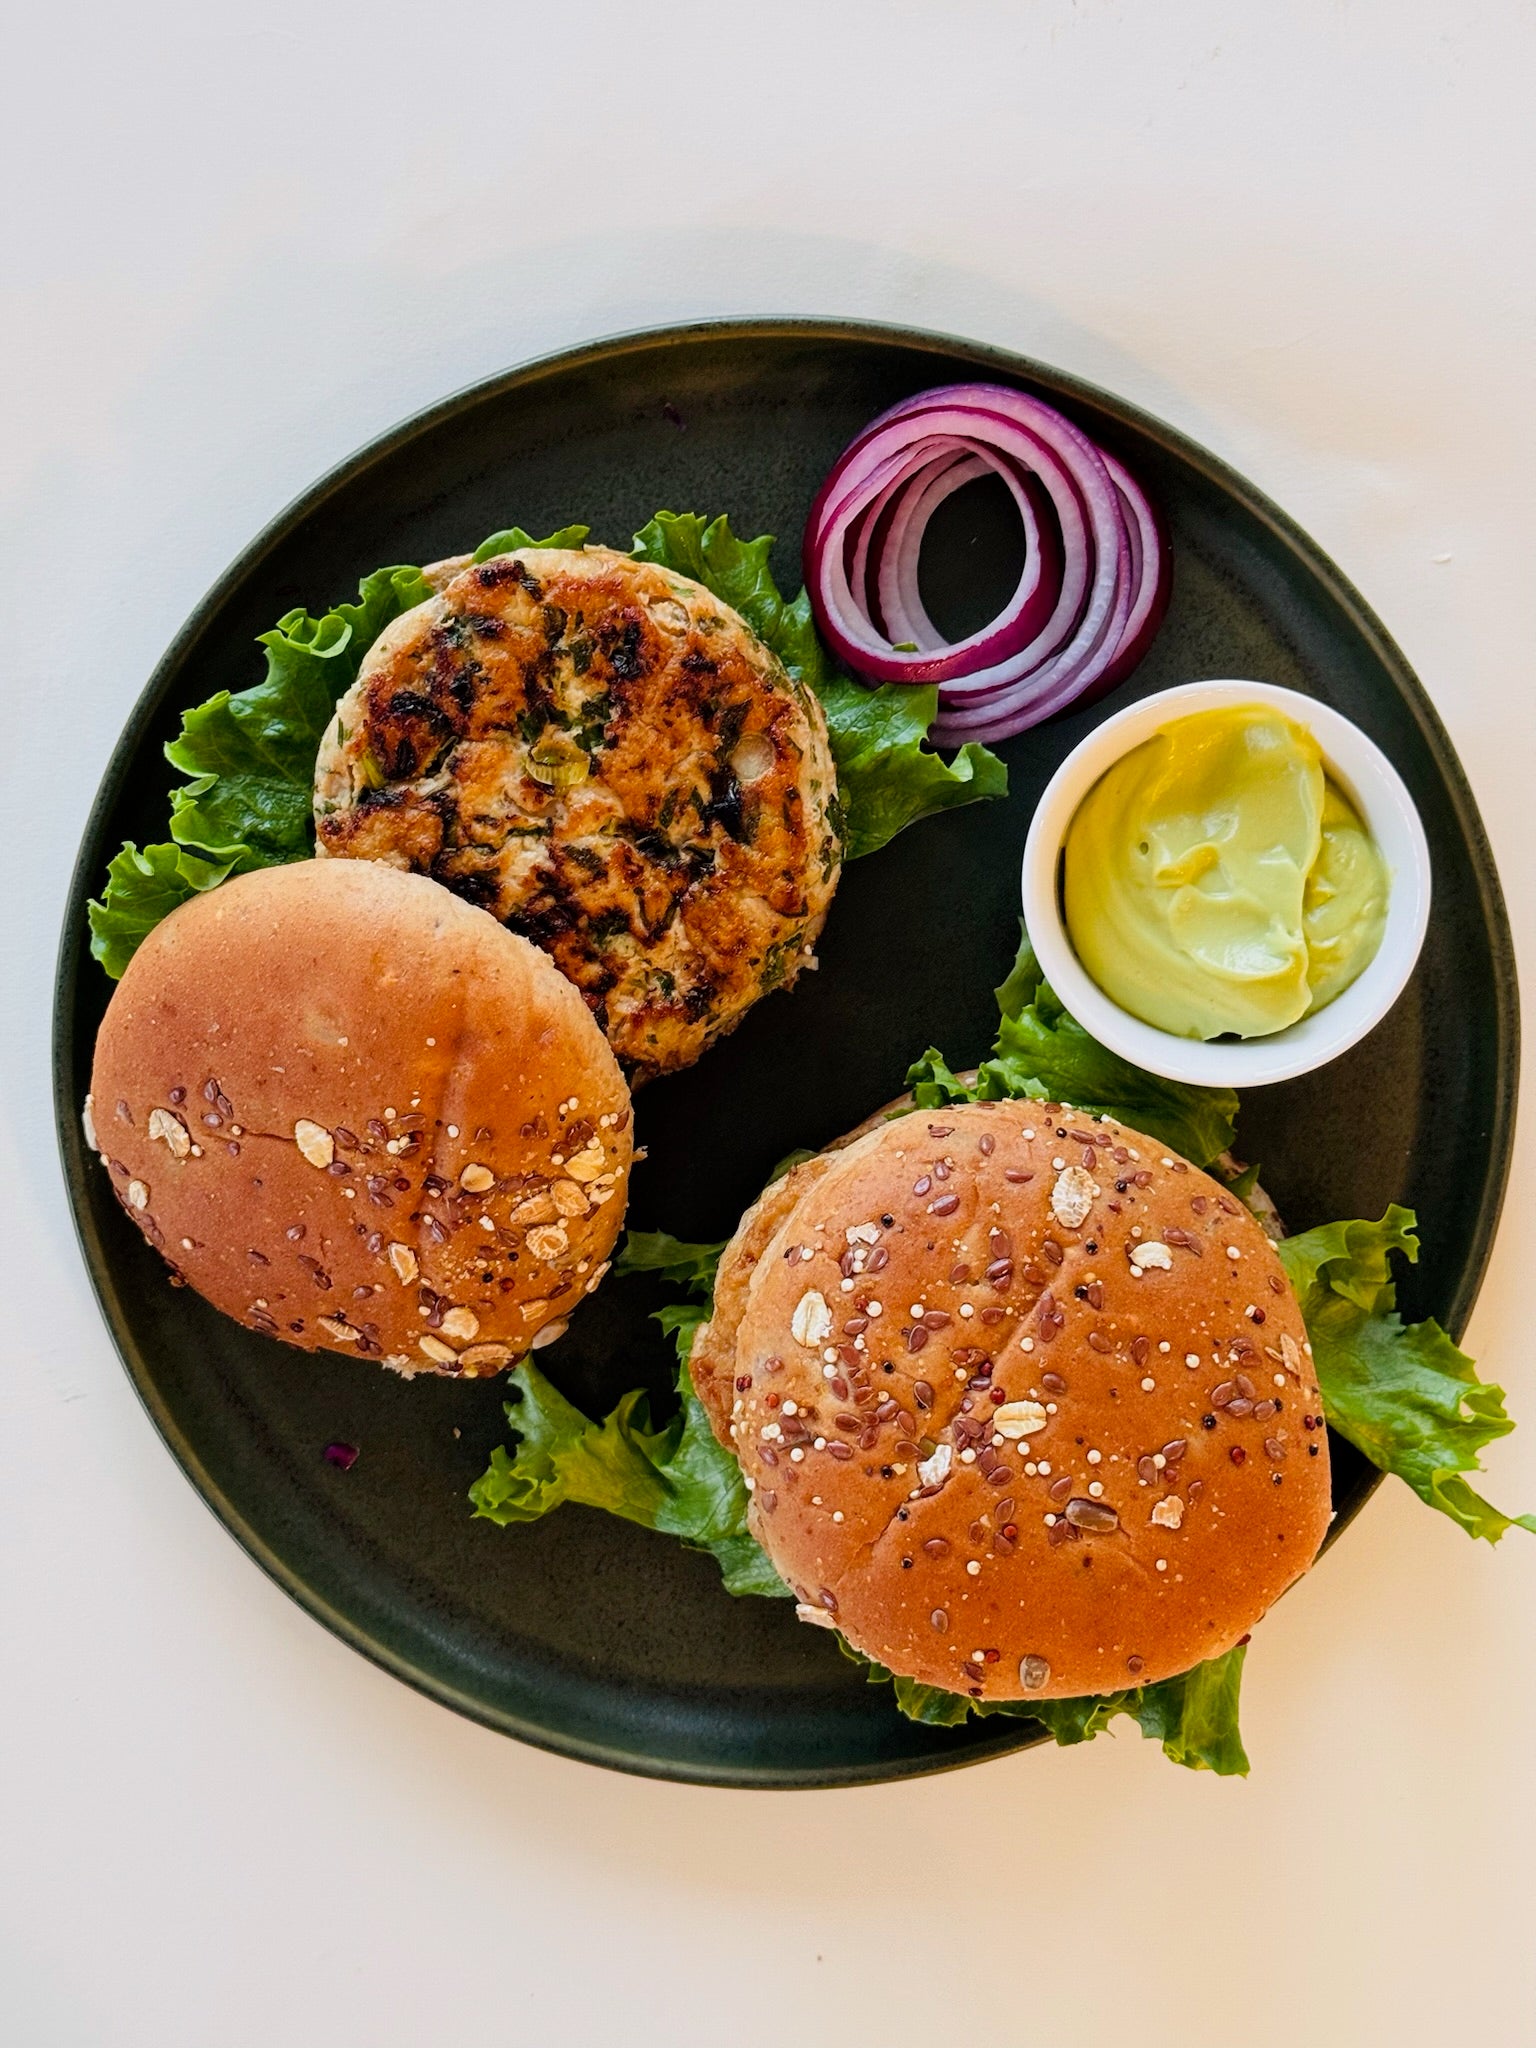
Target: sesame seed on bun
(359, 1115)
(1025, 1401)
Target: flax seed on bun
(359, 1115)
(1025, 1402)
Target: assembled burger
(1024, 1402)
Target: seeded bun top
(1025, 1401)
(360, 1115)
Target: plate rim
(83, 878)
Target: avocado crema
(1217, 881)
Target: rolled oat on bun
(359, 1115)
(1025, 1402)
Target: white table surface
(240, 241)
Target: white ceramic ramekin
(1371, 783)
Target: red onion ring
(1149, 568)
(882, 471)
(1090, 597)
(899, 605)
(893, 503)
(901, 608)
(989, 656)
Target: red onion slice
(1075, 477)
(980, 657)
(1095, 577)
(883, 465)
(899, 598)
(900, 602)
(884, 510)
(1149, 561)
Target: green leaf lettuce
(677, 1479)
(686, 1265)
(142, 888)
(251, 757)
(1044, 1053)
(1193, 1716)
(1401, 1392)
(250, 763)
(511, 538)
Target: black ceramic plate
(581, 1633)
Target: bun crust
(954, 1361)
(359, 1115)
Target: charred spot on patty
(504, 569)
(543, 921)
(619, 645)
(455, 631)
(725, 804)
(411, 704)
(650, 844)
(475, 885)
(462, 683)
(728, 724)
(410, 754)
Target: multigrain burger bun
(1025, 1402)
(359, 1115)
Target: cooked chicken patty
(610, 761)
